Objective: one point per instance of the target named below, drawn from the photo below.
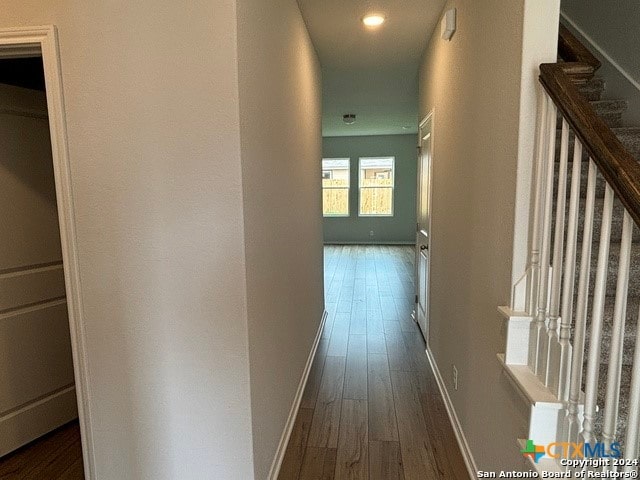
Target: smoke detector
(349, 118)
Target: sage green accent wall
(397, 229)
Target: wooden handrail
(616, 164)
(571, 49)
(579, 62)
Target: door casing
(423, 232)
(43, 41)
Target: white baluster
(577, 354)
(534, 260)
(545, 250)
(538, 325)
(553, 345)
(564, 356)
(633, 422)
(593, 365)
(617, 336)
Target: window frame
(347, 187)
(393, 186)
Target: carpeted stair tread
(584, 172)
(593, 89)
(617, 218)
(612, 271)
(628, 344)
(628, 136)
(631, 326)
(623, 406)
(608, 110)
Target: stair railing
(556, 355)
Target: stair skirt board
(545, 410)
(453, 418)
(38, 418)
(293, 413)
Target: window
(335, 187)
(376, 186)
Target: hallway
(371, 409)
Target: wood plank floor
(371, 409)
(56, 456)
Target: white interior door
(423, 234)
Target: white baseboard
(453, 418)
(293, 413)
(36, 419)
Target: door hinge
(416, 299)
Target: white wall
(201, 275)
(539, 45)
(280, 119)
(483, 135)
(152, 114)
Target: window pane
(376, 201)
(335, 172)
(335, 178)
(335, 186)
(376, 172)
(329, 163)
(376, 186)
(335, 201)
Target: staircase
(610, 111)
(572, 352)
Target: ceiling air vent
(349, 118)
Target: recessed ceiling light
(373, 20)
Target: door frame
(429, 118)
(43, 41)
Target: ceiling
(372, 73)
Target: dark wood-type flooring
(56, 456)
(371, 408)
